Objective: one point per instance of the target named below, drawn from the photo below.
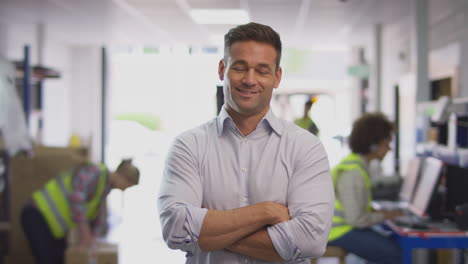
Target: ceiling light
(220, 16)
(217, 39)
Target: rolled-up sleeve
(180, 197)
(310, 201)
(354, 196)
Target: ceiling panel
(300, 22)
(221, 4)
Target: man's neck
(246, 123)
(112, 180)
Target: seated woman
(369, 140)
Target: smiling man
(247, 187)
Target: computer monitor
(411, 180)
(441, 110)
(428, 180)
(457, 194)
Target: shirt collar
(221, 119)
(274, 122)
(269, 118)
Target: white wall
(463, 70)
(71, 102)
(3, 40)
(56, 100)
(15, 37)
(56, 91)
(85, 97)
(395, 61)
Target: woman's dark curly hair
(370, 129)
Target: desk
(410, 239)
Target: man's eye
(238, 69)
(263, 72)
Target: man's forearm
(257, 245)
(221, 229)
(86, 238)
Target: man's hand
(277, 212)
(86, 238)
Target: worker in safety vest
(305, 121)
(354, 217)
(74, 198)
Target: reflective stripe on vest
(53, 201)
(351, 162)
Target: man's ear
(221, 68)
(278, 75)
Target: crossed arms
(243, 230)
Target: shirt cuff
(187, 240)
(282, 241)
(194, 221)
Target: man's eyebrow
(243, 62)
(264, 65)
(260, 65)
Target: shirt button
(245, 198)
(245, 260)
(244, 169)
(245, 140)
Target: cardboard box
(19, 258)
(105, 254)
(76, 256)
(76, 152)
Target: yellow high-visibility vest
(305, 123)
(352, 162)
(53, 201)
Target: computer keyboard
(410, 222)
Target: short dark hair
(129, 170)
(370, 129)
(256, 32)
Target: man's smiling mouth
(246, 91)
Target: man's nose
(249, 78)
